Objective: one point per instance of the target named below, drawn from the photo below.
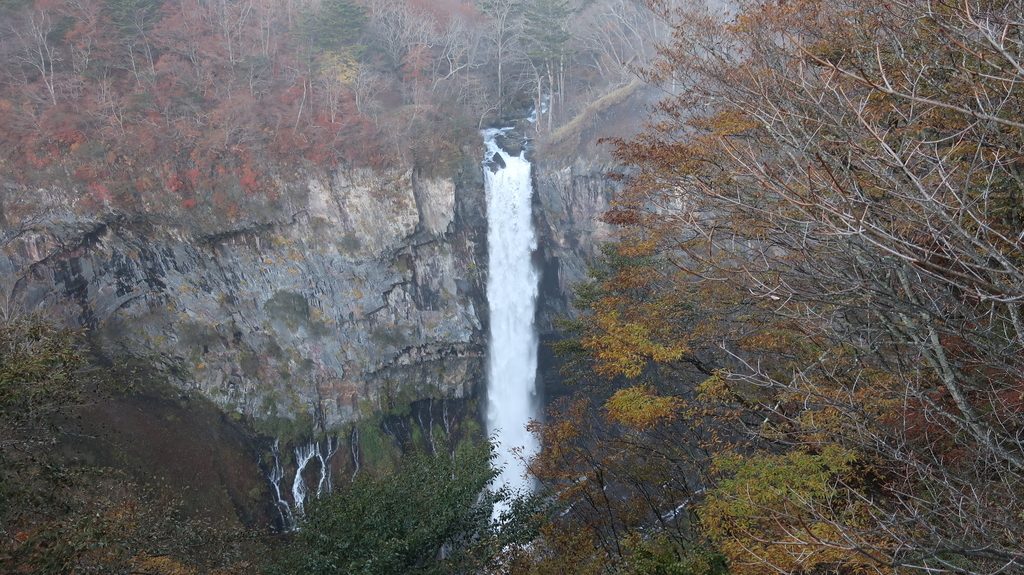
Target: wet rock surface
(571, 195)
(376, 277)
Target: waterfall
(304, 454)
(275, 476)
(512, 295)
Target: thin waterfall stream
(511, 294)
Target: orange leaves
(636, 246)
(611, 483)
(416, 64)
(726, 122)
(565, 551)
(560, 438)
(831, 203)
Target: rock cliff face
(364, 281)
(361, 285)
(352, 297)
(571, 194)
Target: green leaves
(133, 17)
(337, 23)
(431, 515)
(545, 28)
(40, 369)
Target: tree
(626, 459)
(506, 23)
(132, 17)
(41, 368)
(337, 23)
(39, 52)
(545, 34)
(621, 477)
(617, 35)
(430, 515)
(841, 181)
(133, 20)
(57, 517)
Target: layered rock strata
(367, 281)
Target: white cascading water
(512, 296)
(303, 455)
(276, 475)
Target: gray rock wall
(571, 195)
(371, 281)
(362, 284)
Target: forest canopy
(806, 353)
(810, 336)
(168, 106)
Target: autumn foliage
(173, 106)
(140, 105)
(822, 223)
(59, 515)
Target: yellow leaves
(715, 389)
(791, 512)
(640, 408)
(158, 565)
(727, 122)
(565, 551)
(623, 347)
(633, 320)
(341, 67)
(776, 340)
(636, 246)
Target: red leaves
(100, 192)
(416, 64)
(248, 180)
(174, 183)
(210, 92)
